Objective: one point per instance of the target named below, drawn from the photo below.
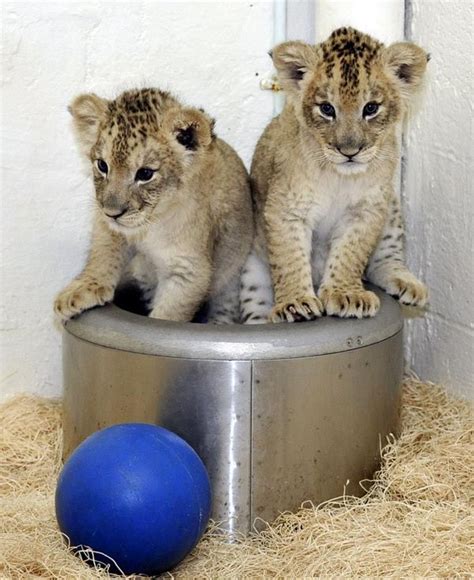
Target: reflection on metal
(317, 423)
(205, 402)
(233, 455)
(273, 430)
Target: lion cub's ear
(292, 60)
(191, 128)
(88, 111)
(406, 62)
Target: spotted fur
(182, 235)
(326, 212)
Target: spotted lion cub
(322, 177)
(171, 196)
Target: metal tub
(279, 413)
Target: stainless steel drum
(279, 413)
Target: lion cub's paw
(81, 295)
(304, 308)
(349, 303)
(408, 290)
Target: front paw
(81, 295)
(408, 290)
(350, 303)
(304, 308)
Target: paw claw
(306, 308)
(351, 303)
(408, 290)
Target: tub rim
(112, 327)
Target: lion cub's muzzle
(115, 212)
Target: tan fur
(322, 219)
(189, 227)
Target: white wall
(208, 53)
(383, 19)
(438, 195)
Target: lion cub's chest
(157, 247)
(333, 198)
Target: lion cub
(322, 177)
(169, 195)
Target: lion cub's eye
(327, 110)
(370, 109)
(102, 166)
(144, 174)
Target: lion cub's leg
(96, 284)
(256, 291)
(224, 305)
(342, 291)
(182, 287)
(387, 264)
(289, 250)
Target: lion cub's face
(141, 147)
(350, 92)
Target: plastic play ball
(137, 495)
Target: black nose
(349, 152)
(115, 212)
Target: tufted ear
(406, 62)
(191, 128)
(292, 60)
(88, 111)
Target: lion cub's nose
(115, 211)
(349, 152)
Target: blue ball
(137, 493)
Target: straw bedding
(416, 519)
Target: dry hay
(416, 520)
